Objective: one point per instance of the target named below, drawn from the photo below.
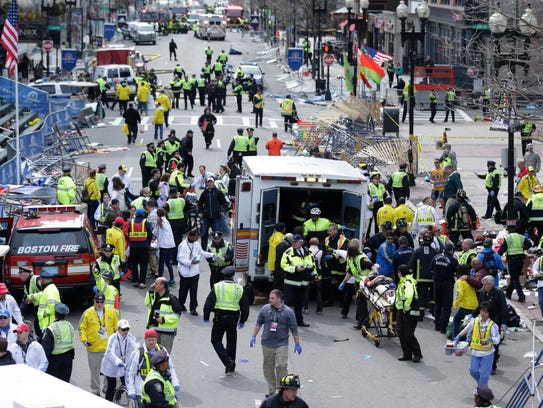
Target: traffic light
(327, 48)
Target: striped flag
(10, 37)
(378, 56)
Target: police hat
(240, 130)
(23, 269)
(108, 247)
(150, 144)
(490, 163)
(216, 235)
(159, 357)
(66, 170)
(102, 166)
(403, 166)
(228, 271)
(62, 309)
(250, 129)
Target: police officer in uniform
(46, 299)
(258, 107)
(513, 246)
(230, 305)
(238, 91)
(31, 285)
(176, 85)
(147, 163)
(101, 179)
(224, 254)
(158, 390)
(398, 184)
(253, 141)
(58, 344)
(432, 98)
(450, 101)
(377, 193)
(526, 134)
(406, 304)
(110, 262)
(493, 182)
(288, 111)
(66, 188)
(201, 84)
(175, 213)
(238, 147)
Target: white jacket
(186, 253)
(9, 335)
(10, 304)
(118, 351)
(164, 235)
(35, 355)
(134, 381)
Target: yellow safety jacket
(463, 259)
(515, 244)
(536, 212)
(47, 299)
(169, 392)
(451, 96)
(425, 218)
(150, 159)
(406, 296)
(477, 336)
(397, 179)
(490, 176)
(171, 319)
(176, 207)
(227, 294)
(217, 67)
(287, 107)
(258, 101)
(145, 369)
(528, 128)
(354, 268)
(322, 224)
(63, 335)
(66, 190)
(101, 84)
(101, 180)
(32, 288)
(171, 147)
(377, 192)
(220, 253)
(110, 267)
(291, 260)
(251, 146)
(241, 143)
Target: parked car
(144, 33)
(252, 68)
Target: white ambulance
(271, 190)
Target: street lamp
(360, 27)
(499, 27)
(317, 48)
(412, 38)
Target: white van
(211, 27)
(116, 73)
(271, 189)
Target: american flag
(10, 37)
(378, 56)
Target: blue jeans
(540, 298)
(480, 368)
(214, 223)
(224, 227)
(458, 317)
(165, 257)
(159, 128)
(142, 107)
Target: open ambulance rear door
(245, 231)
(353, 218)
(268, 217)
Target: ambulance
(57, 237)
(271, 189)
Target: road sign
(295, 58)
(56, 28)
(472, 72)
(328, 59)
(47, 45)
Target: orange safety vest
(139, 233)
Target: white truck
(270, 190)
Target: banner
(30, 98)
(69, 57)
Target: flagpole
(17, 141)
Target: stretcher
(380, 304)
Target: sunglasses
(128, 328)
(3, 317)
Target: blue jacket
(385, 256)
(498, 264)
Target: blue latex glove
(122, 274)
(492, 193)
(177, 388)
(298, 349)
(206, 320)
(132, 396)
(456, 339)
(341, 286)
(253, 341)
(120, 365)
(503, 327)
(241, 326)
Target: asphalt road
(338, 367)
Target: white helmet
(315, 211)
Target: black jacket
(7, 359)
(279, 251)
(276, 401)
(497, 305)
(132, 117)
(211, 203)
(186, 146)
(520, 214)
(444, 266)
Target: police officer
(101, 179)
(66, 188)
(201, 84)
(230, 305)
(46, 299)
(222, 57)
(398, 184)
(103, 87)
(109, 262)
(223, 255)
(238, 147)
(493, 182)
(443, 267)
(31, 285)
(450, 101)
(258, 107)
(238, 90)
(377, 193)
(176, 85)
(158, 390)
(468, 252)
(58, 344)
(432, 98)
(209, 54)
(406, 304)
(513, 246)
(253, 140)
(526, 134)
(288, 111)
(147, 163)
(486, 100)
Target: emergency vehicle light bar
(282, 178)
(346, 181)
(52, 208)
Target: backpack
(84, 195)
(512, 318)
(464, 221)
(489, 264)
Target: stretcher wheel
(377, 342)
(364, 332)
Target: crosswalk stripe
(245, 121)
(194, 120)
(145, 120)
(227, 121)
(117, 121)
(219, 121)
(273, 124)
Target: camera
(156, 314)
